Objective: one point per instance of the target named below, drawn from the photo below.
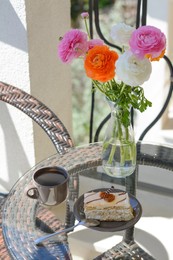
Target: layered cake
(113, 206)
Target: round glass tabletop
(24, 219)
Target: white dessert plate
(110, 226)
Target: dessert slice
(114, 206)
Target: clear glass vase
(119, 147)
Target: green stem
(126, 145)
(113, 148)
(122, 151)
(112, 153)
(97, 85)
(106, 144)
(122, 155)
(127, 133)
(87, 29)
(124, 85)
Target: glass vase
(119, 147)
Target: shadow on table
(93, 243)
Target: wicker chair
(48, 121)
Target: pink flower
(148, 41)
(73, 45)
(85, 15)
(94, 42)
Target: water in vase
(119, 160)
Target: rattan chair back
(48, 121)
(40, 113)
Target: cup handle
(35, 192)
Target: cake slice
(114, 206)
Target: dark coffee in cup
(50, 179)
(50, 185)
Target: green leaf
(124, 96)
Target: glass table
(24, 219)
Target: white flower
(121, 33)
(132, 70)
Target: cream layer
(93, 200)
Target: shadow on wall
(10, 27)
(13, 147)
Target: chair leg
(125, 251)
(73, 196)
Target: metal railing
(141, 19)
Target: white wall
(29, 32)
(50, 79)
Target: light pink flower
(148, 41)
(85, 15)
(73, 45)
(94, 42)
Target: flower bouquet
(119, 77)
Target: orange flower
(149, 56)
(100, 63)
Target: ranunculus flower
(139, 47)
(121, 33)
(100, 63)
(132, 70)
(148, 41)
(73, 45)
(85, 15)
(94, 42)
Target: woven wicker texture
(3, 250)
(124, 251)
(20, 212)
(40, 113)
(45, 118)
(20, 222)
